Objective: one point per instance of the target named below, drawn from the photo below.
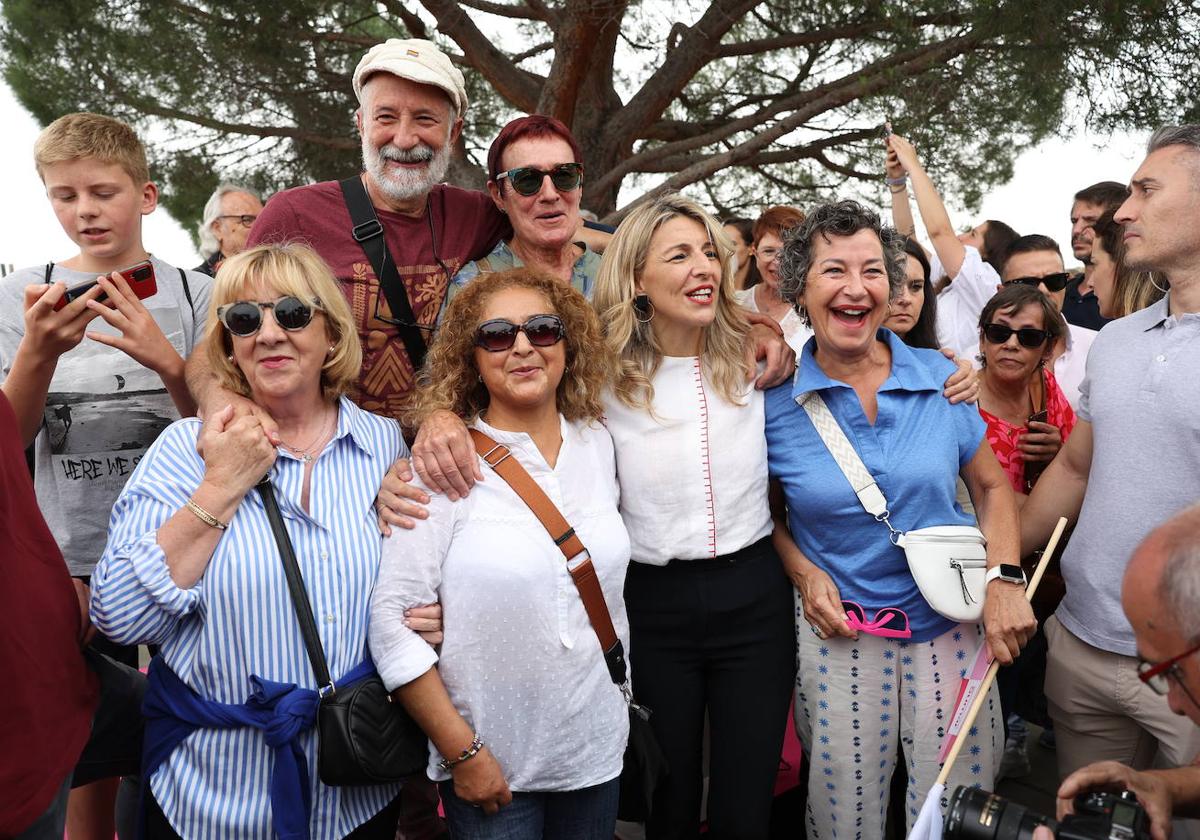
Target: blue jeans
(586, 814)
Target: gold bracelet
(204, 516)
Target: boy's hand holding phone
(50, 329)
(141, 338)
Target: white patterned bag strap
(847, 458)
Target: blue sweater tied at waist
(282, 711)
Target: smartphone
(1038, 417)
(140, 278)
(887, 128)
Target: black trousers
(715, 636)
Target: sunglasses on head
(1026, 336)
(1053, 282)
(245, 317)
(541, 330)
(888, 623)
(527, 180)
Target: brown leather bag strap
(499, 458)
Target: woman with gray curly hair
(876, 661)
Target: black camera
(976, 814)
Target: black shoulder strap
(187, 292)
(291, 570)
(49, 271)
(368, 233)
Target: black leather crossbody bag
(363, 738)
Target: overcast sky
(1037, 200)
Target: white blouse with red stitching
(693, 475)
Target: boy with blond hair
(98, 378)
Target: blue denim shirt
(915, 449)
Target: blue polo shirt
(915, 450)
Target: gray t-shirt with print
(1140, 394)
(103, 409)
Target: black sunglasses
(541, 330)
(245, 317)
(1026, 336)
(527, 180)
(1053, 282)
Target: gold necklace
(307, 453)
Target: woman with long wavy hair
(710, 608)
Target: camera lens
(976, 814)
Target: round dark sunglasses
(1053, 282)
(1026, 336)
(245, 317)
(541, 330)
(527, 180)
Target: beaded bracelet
(469, 752)
(896, 182)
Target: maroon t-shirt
(49, 693)
(466, 225)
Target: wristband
(897, 190)
(895, 182)
(469, 752)
(204, 516)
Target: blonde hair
(632, 341)
(84, 135)
(450, 381)
(287, 269)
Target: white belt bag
(948, 562)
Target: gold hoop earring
(643, 306)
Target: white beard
(405, 184)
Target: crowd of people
(750, 428)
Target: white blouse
(694, 473)
(520, 659)
(795, 331)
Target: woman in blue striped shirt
(192, 565)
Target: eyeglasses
(1026, 336)
(1053, 282)
(1155, 676)
(245, 317)
(246, 220)
(541, 330)
(528, 180)
(889, 622)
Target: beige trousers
(1103, 712)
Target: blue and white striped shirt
(239, 620)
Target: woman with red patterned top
(1028, 417)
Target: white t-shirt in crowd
(960, 303)
(693, 473)
(795, 331)
(520, 658)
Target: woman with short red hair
(535, 176)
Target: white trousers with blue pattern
(859, 703)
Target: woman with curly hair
(528, 731)
(710, 608)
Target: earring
(330, 352)
(643, 306)
(230, 358)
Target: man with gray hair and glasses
(1132, 462)
(1161, 599)
(228, 216)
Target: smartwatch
(1007, 573)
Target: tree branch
(517, 12)
(825, 97)
(518, 86)
(877, 73)
(758, 46)
(412, 23)
(814, 150)
(694, 50)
